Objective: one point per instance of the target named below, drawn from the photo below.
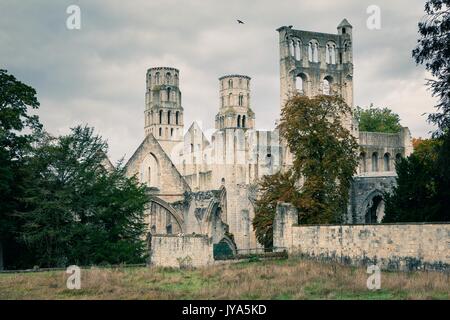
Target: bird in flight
(240, 22)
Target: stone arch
(362, 162)
(375, 162)
(313, 50)
(327, 82)
(224, 249)
(300, 82)
(163, 218)
(150, 172)
(330, 52)
(373, 207)
(387, 161)
(168, 78)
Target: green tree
(17, 131)
(79, 212)
(433, 50)
(377, 120)
(279, 187)
(422, 191)
(324, 162)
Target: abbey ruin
(204, 190)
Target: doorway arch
(374, 207)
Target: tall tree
(78, 211)
(377, 120)
(423, 184)
(433, 50)
(324, 162)
(17, 131)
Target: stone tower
(313, 63)
(235, 111)
(163, 111)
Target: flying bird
(239, 21)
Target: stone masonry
(392, 246)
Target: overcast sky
(96, 75)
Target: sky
(96, 75)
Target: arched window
(333, 54)
(387, 159)
(313, 51)
(230, 99)
(160, 131)
(326, 86)
(330, 53)
(316, 52)
(374, 162)
(297, 49)
(176, 79)
(243, 121)
(299, 85)
(362, 162)
(168, 117)
(310, 52)
(168, 94)
(241, 99)
(157, 78)
(171, 132)
(398, 157)
(168, 78)
(176, 117)
(239, 121)
(291, 48)
(160, 116)
(230, 83)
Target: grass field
(276, 279)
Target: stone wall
(181, 251)
(392, 246)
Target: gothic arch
(157, 203)
(373, 207)
(150, 171)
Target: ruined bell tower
(313, 63)
(163, 110)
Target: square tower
(313, 63)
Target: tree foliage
(433, 50)
(77, 211)
(377, 120)
(324, 162)
(279, 187)
(17, 131)
(422, 192)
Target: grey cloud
(96, 75)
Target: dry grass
(282, 279)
